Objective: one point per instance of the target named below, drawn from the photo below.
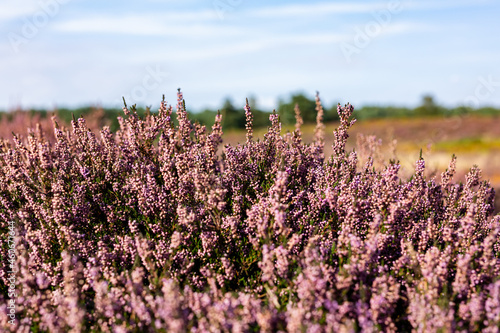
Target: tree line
(234, 116)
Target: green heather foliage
(157, 228)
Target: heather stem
(298, 120)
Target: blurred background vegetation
(233, 114)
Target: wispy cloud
(445, 4)
(147, 25)
(11, 10)
(328, 8)
(406, 27)
(217, 50)
(314, 9)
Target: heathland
(161, 225)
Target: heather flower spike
(249, 120)
(298, 120)
(319, 131)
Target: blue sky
(70, 53)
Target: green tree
(428, 107)
(307, 106)
(231, 116)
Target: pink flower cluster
(153, 229)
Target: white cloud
(321, 8)
(144, 24)
(433, 5)
(326, 8)
(11, 10)
(257, 44)
(405, 27)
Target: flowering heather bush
(150, 229)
